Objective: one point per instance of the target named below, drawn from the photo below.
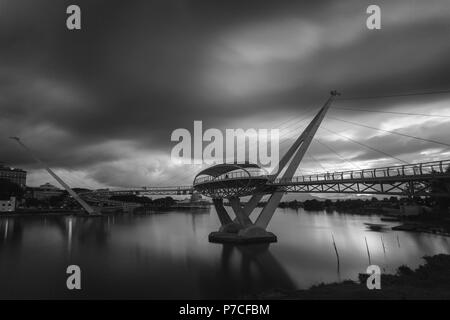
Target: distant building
(8, 205)
(18, 176)
(44, 192)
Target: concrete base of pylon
(246, 235)
(231, 228)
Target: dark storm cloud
(138, 70)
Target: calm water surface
(168, 255)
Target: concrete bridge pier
(227, 224)
(241, 230)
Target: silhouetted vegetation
(405, 284)
(166, 202)
(133, 199)
(147, 203)
(160, 203)
(368, 206)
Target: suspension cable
(407, 94)
(364, 145)
(392, 132)
(336, 153)
(393, 112)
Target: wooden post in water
(337, 254)
(398, 241)
(384, 252)
(368, 253)
(384, 248)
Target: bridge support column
(242, 230)
(227, 225)
(267, 213)
(252, 203)
(221, 212)
(241, 216)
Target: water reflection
(167, 255)
(245, 270)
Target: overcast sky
(99, 104)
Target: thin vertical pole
(384, 248)
(6, 229)
(398, 241)
(337, 253)
(368, 253)
(384, 252)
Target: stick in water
(337, 254)
(368, 253)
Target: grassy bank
(428, 281)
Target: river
(168, 256)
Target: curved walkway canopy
(220, 169)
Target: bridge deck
(411, 179)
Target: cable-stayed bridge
(232, 181)
(405, 180)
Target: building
(18, 176)
(8, 204)
(43, 192)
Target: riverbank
(442, 228)
(422, 217)
(428, 281)
(42, 212)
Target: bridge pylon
(72, 193)
(233, 181)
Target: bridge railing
(419, 169)
(174, 188)
(144, 189)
